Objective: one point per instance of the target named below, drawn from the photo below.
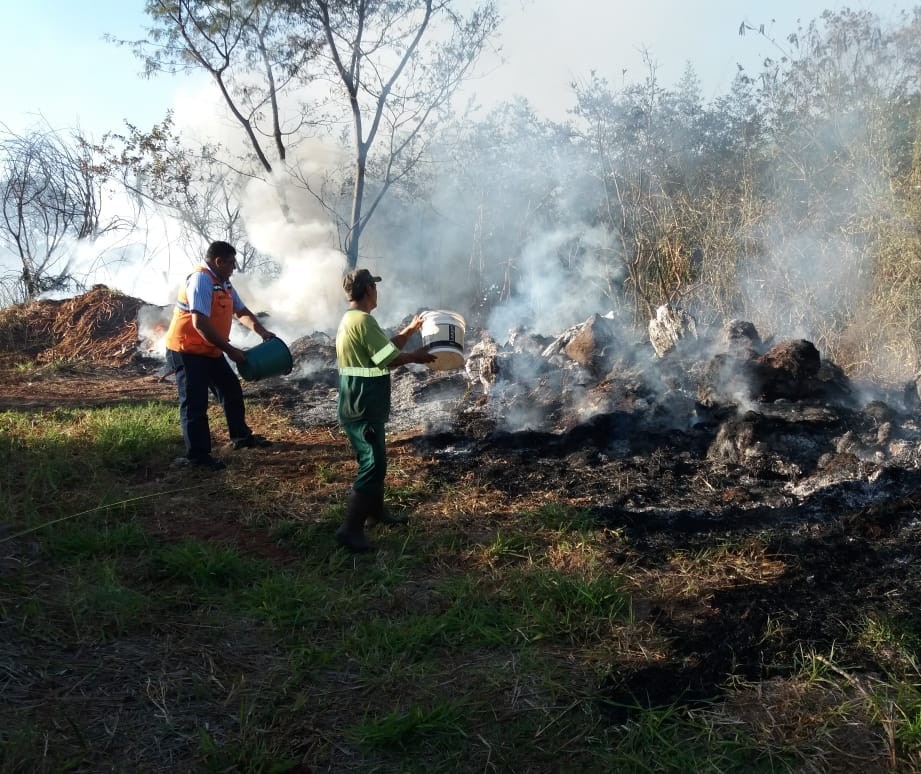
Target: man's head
(357, 284)
(222, 257)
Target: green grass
(289, 601)
(19, 744)
(326, 474)
(87, 602)
(560, 605)
(439, 724)
(561, 518)
(907, 720)
(96, 537)
(894, 643)
(404, 498)
(63, 461)
(250, 756)
(103, 605)
(456, 646)
(127, 437)
(379, 641)
(310, 537)
(666, 740)
(207, 567)
(510, 547)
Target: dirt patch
(265, 485)
(74, 385)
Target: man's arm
(202, 324)
(250, 320)
(404, 335)
(416, 356)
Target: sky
(58, 66)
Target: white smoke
(813, 274)
(153, 322)
(306, 296)
(552, 296)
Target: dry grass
(695, 575)
(829, 723)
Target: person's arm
(202, 323)
(250, 320)
(404, 335)
(416, 356)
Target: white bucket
(443, 335)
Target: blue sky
(56, 62)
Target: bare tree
(50, 197)
(399, 64)
(252, 50)
(395, 66)
(257, 60)
(191, 184)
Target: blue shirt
(199, 288)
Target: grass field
(156, 618)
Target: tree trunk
(355, 226)
(28, 281)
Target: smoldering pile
(721, 401)
(551, 386)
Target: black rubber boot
(351, 532)
(380, 515)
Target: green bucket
(271, 358)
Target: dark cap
(355, 283)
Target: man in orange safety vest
(197, 340)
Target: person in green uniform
(365, 357)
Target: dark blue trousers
(195, 376)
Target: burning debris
(790, 370)
(669, 328)
(726, 400)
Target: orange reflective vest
(182, 336)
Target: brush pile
(99, 327)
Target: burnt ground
(845, 552)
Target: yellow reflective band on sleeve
(386, 354)
(354, 371)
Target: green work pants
(367, 439)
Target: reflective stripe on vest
(182, 336)
(355, 371)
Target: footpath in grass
(158, 618)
